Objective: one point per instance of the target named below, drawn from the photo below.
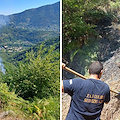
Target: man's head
(96, 68)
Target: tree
(39, 76)
(79, 19)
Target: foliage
(80, 22)
(48, 109)
(35, 79)
(79, 19)
(74, 26)
(32, 89)
(38, 110)
(10, 101)
(38, 77)
(82, 58)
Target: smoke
(4, 20)
(2, 69)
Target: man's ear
(101, 72)
(88, 70)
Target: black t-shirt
(88, 97)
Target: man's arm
(107, 96)
(63, 65)
(106, 102)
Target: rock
(65, 105)
(6, 113)
(111, 111)
(111, 75)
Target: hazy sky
(8, 7)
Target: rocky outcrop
(111, 75)
(65, 105)
(111, 111)
(9, 115)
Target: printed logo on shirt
(94, 98)
(70, 81)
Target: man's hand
(63, 65)
(62, 86)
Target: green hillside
(35, 82)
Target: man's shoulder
(73, 82)
(105, 84)
(77, 79)
(72, 85)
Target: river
(2, 69)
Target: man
(88, 96)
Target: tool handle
(75, 73)
(114, 91)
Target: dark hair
(95, 68)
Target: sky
(8, 7)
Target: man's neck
(94, 76)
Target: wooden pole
(81, 76)
(75, 73)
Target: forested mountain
(25, 29)
(14, 39)
(14, 34)
(42, 18)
